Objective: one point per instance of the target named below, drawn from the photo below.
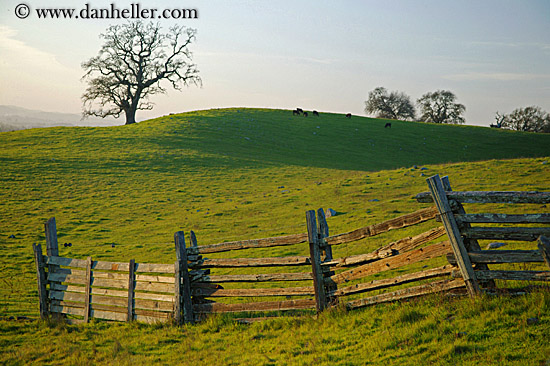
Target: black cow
(348, 115)
(300, 110)
(315, 113)
(305, 114)
(295, 112)
(388, 125)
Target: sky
(493, 55)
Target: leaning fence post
(315, 257)
(41, 278)
(440, 198)
(469, 244)
(182, 281)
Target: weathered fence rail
(440, 259)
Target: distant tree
(531, 119)
(130, 66)
(440, 107)
(395, 105)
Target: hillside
(121, 192)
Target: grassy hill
(235, 174)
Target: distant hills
(17, 118)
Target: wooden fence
(195, 285)
(86, 288)
(464, 236)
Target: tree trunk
(130, 116)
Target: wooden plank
(117, 284)
(544, 248)
(395, 281)
(116, 275)
(254, 292)
(112, 266)
(315, 256)
(514, 275)
(41, 280)
(253, 262)
(108, 315)
(247, 244)
(115, 309)
(114, 293)
(131, 285)
(387, 264)
(263, 277)
(181, 254)
(407, 293)
(490, 197)
(444, 209)
(505, 256)
(255, 306)
(112, 301)
(506, 233)
(393, 248)
(87, 284)
(376, 229)
(498, 218)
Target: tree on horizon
(131, 65)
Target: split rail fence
(195, 286)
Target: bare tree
(395, 105)
(130, 66)
(530, 119)
(440, 107)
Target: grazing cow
(388, 125)
(305, 114)
(295, 112)
(315, 113)
(300, 110)
(348, 115)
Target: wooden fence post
(52, 249)
(131, 286)
(461, 255)
(315, 257)
(51, 238)
(193, 239)
(88, 290)
(182, 281)
(327, 273)
(544, 248)
(323, 233)
(41, 278)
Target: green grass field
(237, 174)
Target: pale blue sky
(324, 55)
